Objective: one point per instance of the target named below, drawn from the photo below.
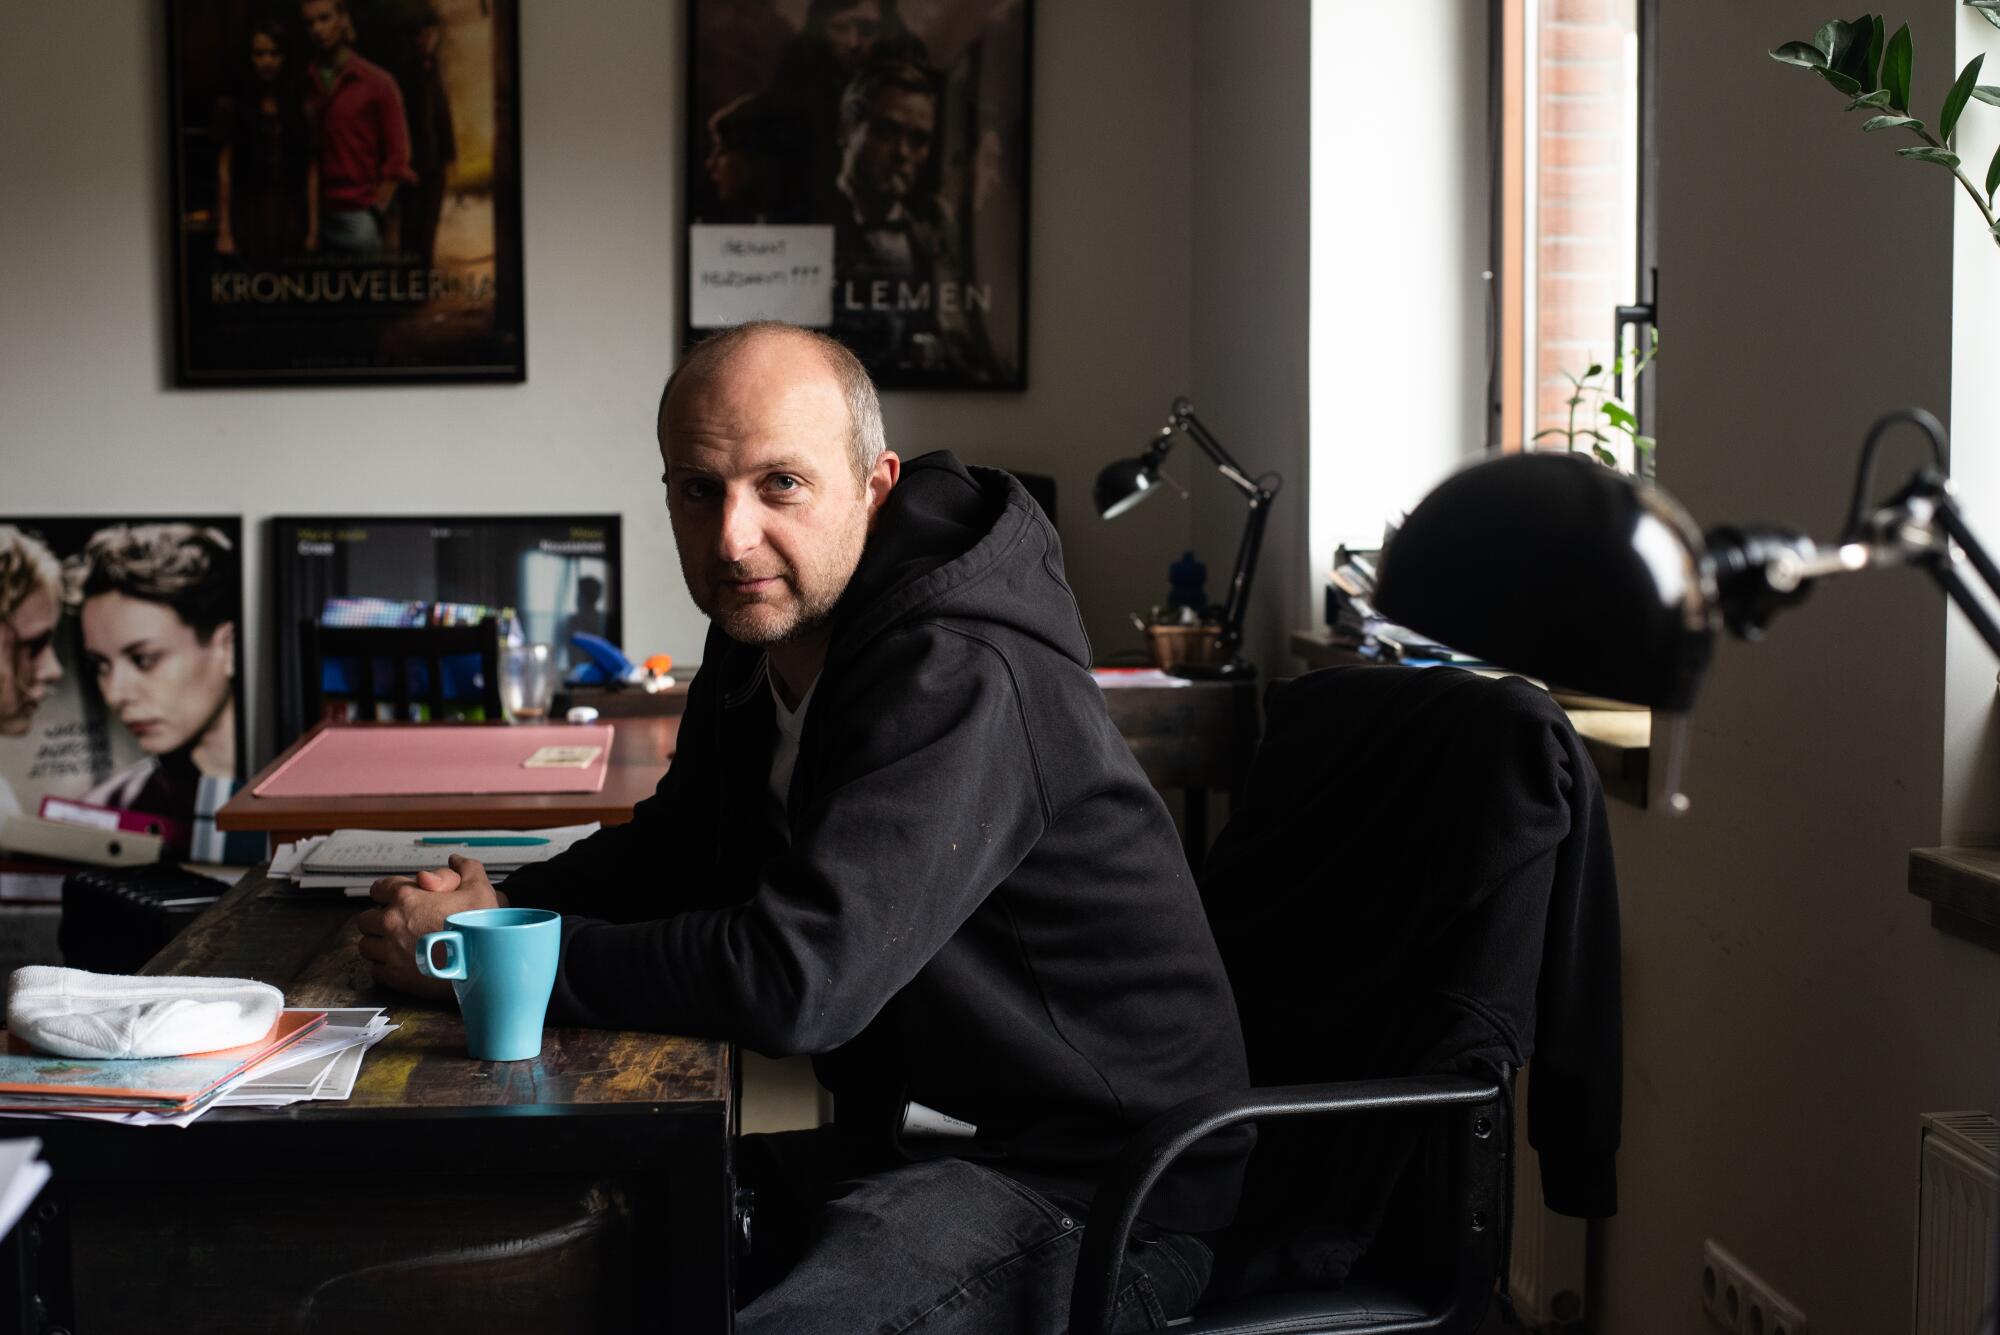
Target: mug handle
(454, 955)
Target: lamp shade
(1123, 483)
(1553, 565)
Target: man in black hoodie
(901, 834)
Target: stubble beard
(815, 594)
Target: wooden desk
(1195, 737)
(1190, 738)
(586, 1190)
(640, 749)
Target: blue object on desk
(606, 663)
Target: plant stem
(1970, 188)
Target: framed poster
(552, 575)
(346, 191)
(121, 669)
(861, 166)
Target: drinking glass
(527, 682)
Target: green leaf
(1988, 94)
(1604, 456)
(1858, 56)
(1840, 81)
(1550, 431)
(1831, 39)
(1993, 178)
(1595, 369)
(1620, 417)
(1941, 156)
(1874, 123)
(1987, 8)
(1896, 69)
(1871, 71)
(1955, 100)
(1800, 53)
(1878, 98)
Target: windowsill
(1963, 887)
(1619, 741)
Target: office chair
(434, 666)
(1415, 896)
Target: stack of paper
(349, 861)
(32, 1081)
(310, 1054)
(322, 1066)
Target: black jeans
(939, 1246)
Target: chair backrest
(1381, 900)
(438, 667)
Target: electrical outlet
(1740, 1302)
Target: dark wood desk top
(640, 750)
(306, 948)
(587, 1189)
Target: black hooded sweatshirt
(975, 902)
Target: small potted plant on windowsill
(1605, 419)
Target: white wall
(89, 424)
(1401, 202)
(1972, 724)
(1248, 320)
(1789, 1009)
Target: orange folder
(33, 1081)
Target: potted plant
(1875, 75)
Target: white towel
(93, 1015)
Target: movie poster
(121, 670)
(546, 576)
(861, 166)
(347, 191)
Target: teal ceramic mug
(502, 965)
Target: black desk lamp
(1126, 482)
(1561, 568)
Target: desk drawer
(329, 1255)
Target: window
(1572, 239)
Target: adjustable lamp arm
(1759, 571)
(1182, 418)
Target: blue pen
(487, 841)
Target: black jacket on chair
(1419, 882)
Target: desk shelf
(1963, 887)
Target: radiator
(1545, 1271)
(1958, 1169)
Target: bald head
(769, 508)
(765, 354)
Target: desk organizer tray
(390, 760)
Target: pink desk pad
(389, 761)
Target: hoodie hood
(958, 542)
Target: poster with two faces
(121, 670)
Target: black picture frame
(435, 302)
(929, 291)
(429, 559)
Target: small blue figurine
(1189, 580)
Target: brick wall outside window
(1584, 231)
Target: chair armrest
(1149, 1154)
